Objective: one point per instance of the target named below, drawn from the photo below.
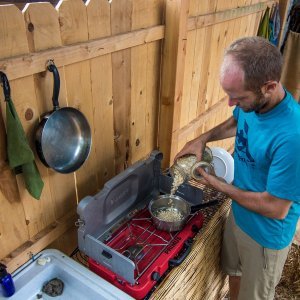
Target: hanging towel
(264, 28)
(290, 76)
(19, 153)
(275, 25)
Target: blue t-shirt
(267, 158)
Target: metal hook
(50, 62)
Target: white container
(79, 282)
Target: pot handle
(56, 84)
(195, 208)
(187, 249)
(6, 86)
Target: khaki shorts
(260, 268)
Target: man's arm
(262, 203)
(224, 130)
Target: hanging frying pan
(63, 137)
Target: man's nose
(232, 102)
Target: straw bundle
(289, 285)
(200, 276)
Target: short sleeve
(236, 112)
(284, 173)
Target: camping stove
(117, 234)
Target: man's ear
(269, 88)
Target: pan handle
(6, 87)
(56, 85)
(203, 205)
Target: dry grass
(289, 285)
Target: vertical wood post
(174, 51)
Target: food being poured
(185, 168)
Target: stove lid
(130, 189)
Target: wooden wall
(108, 56)
(144, 73)
(193, 101)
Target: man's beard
(259, 103)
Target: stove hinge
(79, 223)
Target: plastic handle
(187, 249)
(6, 87)
(203, 205)
(56, 85)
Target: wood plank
(28, 64)
(154, 15)
(205, 63)
(74, 29)
(23, 95)
(13, 42)
(187, 78)
(152, 91)
(198, 67)
(121, 13)
(101, 85)
(38, 242)
(144, 14)
(226, 15)
(197, 122)
(172, 70)
(138, 102)
(213, 69)
(46, 34)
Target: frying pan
(63, 136)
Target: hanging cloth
(275, 25)
(290, 77)
(264, 28)
(20, 155)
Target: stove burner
(134, 252)
(151, 250)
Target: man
(266, 187)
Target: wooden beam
(172, 73)
(24, 65)
(39, 242)
(226, 15)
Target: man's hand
(212, 180)
(260, 202)
(195, 147)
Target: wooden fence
(144, 73)
(108, 56)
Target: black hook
(56, 86)
(6, 87)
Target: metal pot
(178, 204)
(63, 137)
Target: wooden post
(172, 75)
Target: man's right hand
(195, 147)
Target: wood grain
(13, 229)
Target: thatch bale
(289, 285)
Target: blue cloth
(275, 25)
(267, 158)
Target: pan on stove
(63, 136)
(178, 204)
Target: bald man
(266, 189)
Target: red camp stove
(117, 233)
(152, 251)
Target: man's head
(250, 73)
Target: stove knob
(195, 228)
(155, 276)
